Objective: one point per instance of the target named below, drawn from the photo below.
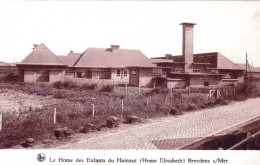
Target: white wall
(56, 75)
(121, 77)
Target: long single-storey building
(131, 66)
(118, 65)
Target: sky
(231, 28)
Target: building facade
(198, 70)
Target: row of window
(118, 73)
(182, 70)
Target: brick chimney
(34, 46)
(187, 45)
(114, 47)
(168, 56)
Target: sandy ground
(11, 100)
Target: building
(120, 65)
(198, 70)
(112, 64)
(251, 71)
(7, 69)
(41, 65)
(131, 66)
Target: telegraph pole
(246, 70)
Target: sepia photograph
(107, 76)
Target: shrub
(88, 87)
(107, 88)
(69, 84)
(57, 84)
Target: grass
(74, 108)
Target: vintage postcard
(130, 82)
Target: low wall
(98, 81)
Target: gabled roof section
(105, 58)
(70, 59)
(249, 67)
(257, 69)
(41, 55)
(225, 63)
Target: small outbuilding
(41, 65)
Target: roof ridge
(38, 52)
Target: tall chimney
(187, 45)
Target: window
(196, 70)
(201, 77)
(179, 70)
(206, 84)
(134, 71)
(125, 73)
(157, 72)
(211, 77)
(118, 73)
(214, 71)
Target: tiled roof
(70, 59)
(106, 58)
(41, 55)
(6, 64)
(257, 69)
(208, 58)
(249, 67)
(225, 63)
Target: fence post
(249, 143)
(54, 116)
(218, 94)
(147, 102)
(139, 90)
(122, 105)
(1, 122)
(171, 89)
(189, 90)
(93, 110)
(153, 85)
(125, 86)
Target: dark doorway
(206, 84)
(79, 74)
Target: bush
(69, 84)
(107, 88)
(57, 84)
(89, 87)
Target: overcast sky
(231, 28)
